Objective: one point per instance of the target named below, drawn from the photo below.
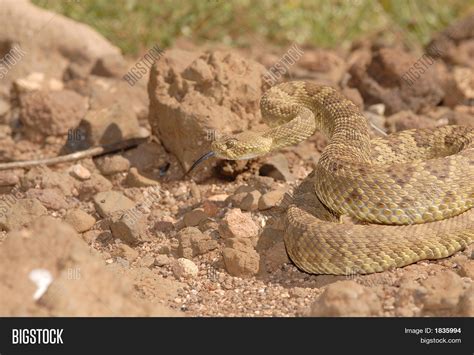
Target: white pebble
(78, 171)
(185, 268)
(42, 278)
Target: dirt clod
(237, 224)
(80, 220)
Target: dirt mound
(48, 271)
(386, 79)
(194, 101)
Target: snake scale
(406, 197)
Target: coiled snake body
(410, 194)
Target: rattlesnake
(407, 196)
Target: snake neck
(296, 110)
(344, 125)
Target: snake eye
(230, 143)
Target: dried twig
(91, 152)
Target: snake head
(245, 145)
(226, 148)
(242, 146)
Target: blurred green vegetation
(135, 25)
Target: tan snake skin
(410, 193)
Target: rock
(467, 269)
(162, 260)
(110, 125)
(239, 194)
(323, 65)
(166, 224)
(114, 164)
(346, 299)
(80, 283)
(184, 268)
(96, 184)
(79, 172)
(211, 208)
(194, 217)
(242, 262)
(130, 230)
(49, 198)
(441, 294)
(250, 201)
(193, 242)
(184, 237)
(66, 42)
(404, 120)
(387, 77)
(109, 202)
(9, 177)
(202, 99)
(236, 224)
(20, 213)
(51, 113)
(44, 178)
(460, 87)
(270, 199)
(135, 179)
(277, 167)
(80, 220)
(127, 252)
(147, 261)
